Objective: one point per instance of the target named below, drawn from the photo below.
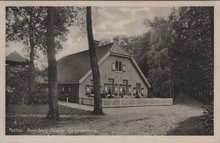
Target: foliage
(18, 25)
(177, 54)
(191, 126)
(208, 117)
(104, 42)
(191, 51)
(151, 53)
(158, 59)
(29, 25)
(15, 91)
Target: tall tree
(28, 25)
(192, 50)
(158, 59)
(151, 53)
(94, 64)
(21, 25)
(52, 66)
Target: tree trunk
(94, 65)
(52, 66)
(31, 63)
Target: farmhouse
(121, 78)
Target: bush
(208, 117)
(40, 98)
(37, 98)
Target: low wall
(128, 102)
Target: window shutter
(116, 65)
(123, 67)
(120, 67)
(113, 67)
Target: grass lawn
(191, 126)
(42, 109)
(38, 125)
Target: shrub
(40, 98)
(208, 117)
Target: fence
(128, 102)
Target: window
(124, 86)
(138, 87)
(66, 89)
(111, 81)
(109, 87)
(125, 82)
(118, 66)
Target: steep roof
(116, 49)
(14, 57)
(76, 67)
(71, 68)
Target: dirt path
(150, 120)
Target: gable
(132, 69)
(76, 68)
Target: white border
(107, 139)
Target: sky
(108, 22)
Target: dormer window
(118, 66)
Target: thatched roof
(74, 68)
(71, 68)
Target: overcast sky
(109, 22)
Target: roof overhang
(90, 71)
(115, 54)
(141, 73)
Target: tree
(94, 64)
(158, 58)
(150, 50)
(191, 51)
(52, 66)
(28, 25)
(20, 25)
